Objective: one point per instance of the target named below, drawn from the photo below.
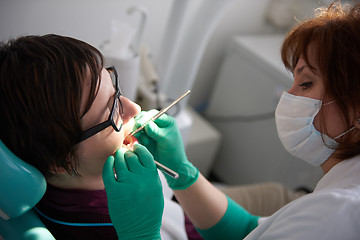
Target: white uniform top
(332, 211)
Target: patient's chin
(129, 143)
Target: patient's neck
(67, 181)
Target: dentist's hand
(135, 197)
(163, 139)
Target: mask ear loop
(349, 130)
(324, 104)
(344, 133)
(357, 124)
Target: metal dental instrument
(160, 166)
(167, 170)
(162, 111)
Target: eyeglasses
(116, 115)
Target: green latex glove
(163, 139)
(135, 198)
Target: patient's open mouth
(129, 142)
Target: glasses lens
(118, 113)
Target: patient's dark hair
(41, 83)
(332, 37)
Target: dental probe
(160, 166)
(167, 170)
(162, 111)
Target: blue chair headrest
(21, 185)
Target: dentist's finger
(120, 165)
(145, 157)
(133, 162)
(108, 170)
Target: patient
(63, 112)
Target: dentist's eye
(306, 85)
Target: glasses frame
(110, 121)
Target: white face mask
(294, 117)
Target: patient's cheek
(129, 143)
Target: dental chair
(21, 188)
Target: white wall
(244, 17)
(88, 20)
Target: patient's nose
(130, 108)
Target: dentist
(318, 121)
